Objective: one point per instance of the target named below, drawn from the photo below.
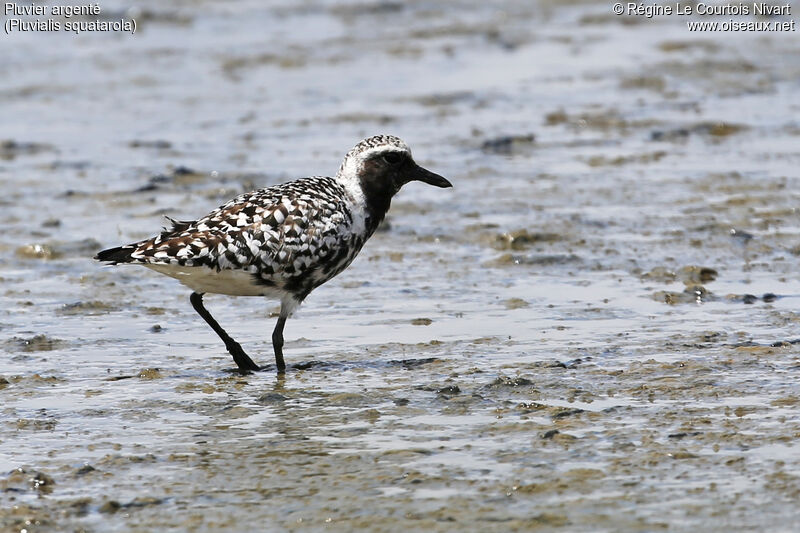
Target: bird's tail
(120, 254)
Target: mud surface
(596, 329)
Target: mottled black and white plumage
(283, 241)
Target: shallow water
(595, 329)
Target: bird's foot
(242, 360)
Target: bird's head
(382, 164)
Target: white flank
(204, 279)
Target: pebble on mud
(601, 160)
(150, 373)
(742, 298)
(505, 381)
(58, 249)
(691, 294)
(51, 223)
(603, 120)
(563, 412)
(110, 507)
(532, 259)
(449, 390)
(10, 149)
(271, 398)
(689, 275)
(349, 399)
(94, 307)
(743, 236)
(521, 239)
(85, 469)
(507, 144)
(682, 46)
(652, 83)
(157, 144)
(179, 175)
(660, 274)
(37, 343)
(37, 251)
(20, 479)
(692, 275)
(549, 434)
(713, 129)
(516, 303)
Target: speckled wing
(288, 234)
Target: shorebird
(284, 241)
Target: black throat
(379, 188)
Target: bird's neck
(377, 205)
(372, 197)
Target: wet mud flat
(595, 330)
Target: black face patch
(394, 159)
(381, 176)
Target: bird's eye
(393, 158)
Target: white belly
(204, 279)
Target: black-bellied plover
(282, 241)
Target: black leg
(242, 360)
(277, 343)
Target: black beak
(426, 176)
